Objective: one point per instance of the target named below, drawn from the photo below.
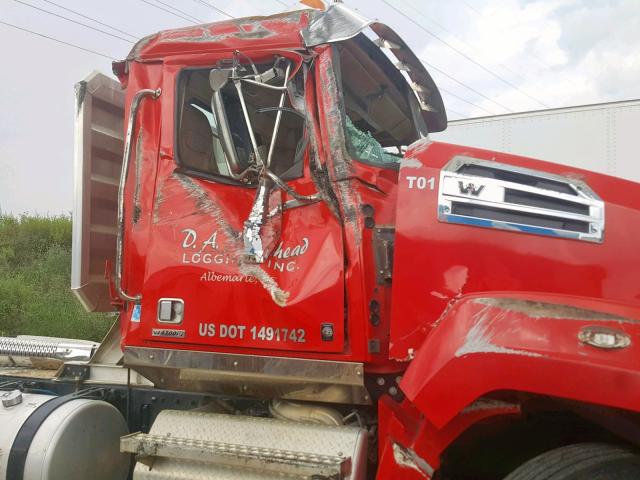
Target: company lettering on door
(206, 250)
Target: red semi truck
(308, 287)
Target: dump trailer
(306, 286)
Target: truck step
(221, 446)
(147, 446)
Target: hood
(473, 221)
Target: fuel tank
(473, 221)
(44, 437)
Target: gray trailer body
(602, 137)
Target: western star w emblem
(470, 188)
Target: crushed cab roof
(298, 29)
(275, 31)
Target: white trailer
(602, 137)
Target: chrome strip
(581, 188)
(461, 188)
(123, 177)
(515, 207)
(250, 375)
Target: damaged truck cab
(318, 290)
(262, 174)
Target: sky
(487, 56)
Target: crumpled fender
(500, 343)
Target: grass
(35, 269)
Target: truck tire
(581, 461)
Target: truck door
(237, 257)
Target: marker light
(603, 337)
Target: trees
(35, 267)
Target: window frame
(179, 100)
(362, 41)
(180, 166)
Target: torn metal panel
(159, 200)
(491, 404)
(139, 46)
(410, 163)
(537, 265)
(417, 148)
(421, 83)
(277, 30)
(280, 304)
(481, 347)
(261, 231)
(339, 162)
(208, 207)
(407, 458)
(278, 295)
(246, 31)
(137, 210)
(549, 310)
(318, 170)
(480, 335)
(337, 23)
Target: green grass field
(35, 268)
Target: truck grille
(495, 195)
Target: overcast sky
(521, 54)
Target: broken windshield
(367, 148)
(382, 114)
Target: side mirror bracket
(218, 79)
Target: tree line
(35, 272)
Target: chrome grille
(489, 194)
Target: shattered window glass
(378, 102)
(199, 149)
(368, 148)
